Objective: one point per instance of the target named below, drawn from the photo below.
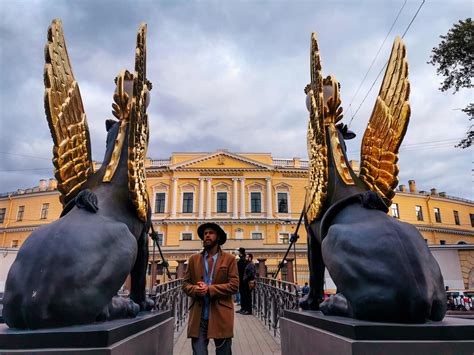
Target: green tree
(454, 59)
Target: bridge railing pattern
(270, 298)
(170, 296)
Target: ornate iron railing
(170, 295)
(270, 298)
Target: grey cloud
(228, 75)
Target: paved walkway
(250, 337)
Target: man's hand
(202, 288)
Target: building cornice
(20, 228)
(16, 195)
(223, 221)
(447, 198)
(427, 228)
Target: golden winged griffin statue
(69, 271)
(382, 267)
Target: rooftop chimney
(297, 162)
(52, 184)
(402, 188)
(412, 185)
(42, 185)
(434, 192)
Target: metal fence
(270, 299)
(301, 270)
(170, 295)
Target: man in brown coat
(210, 280)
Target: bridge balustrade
(170, 296)
(270, 298)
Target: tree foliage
(454, 60)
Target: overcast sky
(231, 75)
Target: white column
(201, 198)
(174, 198)
(269, 198)
(235, 200)
(209, 192)
(242, 198)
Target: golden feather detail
(387, 127)
(317, 149)
(139, 130)
(66, 117)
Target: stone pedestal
(311, 332)
(148, 333)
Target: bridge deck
(250, 337)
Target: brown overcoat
(225, 282)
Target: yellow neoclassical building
(256, 198)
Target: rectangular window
(437, 215)
(284, 238)
(282, 202)
(21, 211)
(44, 210)
(15, 243)
(3, 212)
(257, 235)
(394, 209)
(160, 238)
(255, 202)
(160, 202)
(442, 242)
(188, 202)
(419, 213)
(222, 202)
(187, 236)
(456, 218)
(472, 219)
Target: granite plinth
(148, 333)
(311, 332)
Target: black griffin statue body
(69, 271)
(382, 267)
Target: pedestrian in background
(243, 288)
(305, 289)
(249, 279)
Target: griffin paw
(119, 307)
(309, 303)
(147, 305)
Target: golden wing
(387, 127)
(138, 130)
(317, 148)
(66, 118)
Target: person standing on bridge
(210, 280)
(243, 287)
(249, 278)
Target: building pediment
(221, 160)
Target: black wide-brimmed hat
(221, 235)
